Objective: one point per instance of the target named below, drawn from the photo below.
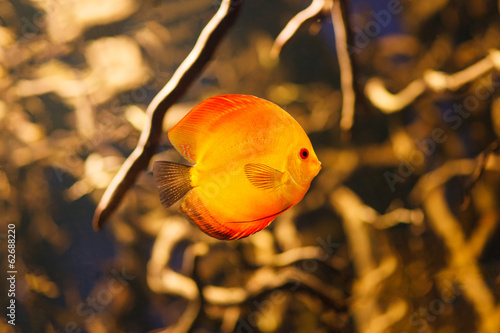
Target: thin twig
(439, 176)
(435, 81)
(187, 72)
(481, 164)
(265, 281)
(341, 29)
(314, 11)
(478, 171)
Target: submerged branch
(463, 263)
(341, 29)
(432, 80)
(315, 10)
(371, 271)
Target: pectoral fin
(263, 176)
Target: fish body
(252, 161)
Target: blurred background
(398, 233)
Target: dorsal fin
(192, 130)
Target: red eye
(304, 153)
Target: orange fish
(252, 161)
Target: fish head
(303, 163)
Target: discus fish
(251, 162)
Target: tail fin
(173, 181)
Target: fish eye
(304, 153)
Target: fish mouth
(316, 167)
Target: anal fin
(215, 226)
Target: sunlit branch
(365, 306)
(162, 279)
(399, 215)
(341, 29)
(339, 15)
(432, 80)
(288, 277)
(315, 10)
(481, 164)
(463, 263)
(149, 140)
(439, 176)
